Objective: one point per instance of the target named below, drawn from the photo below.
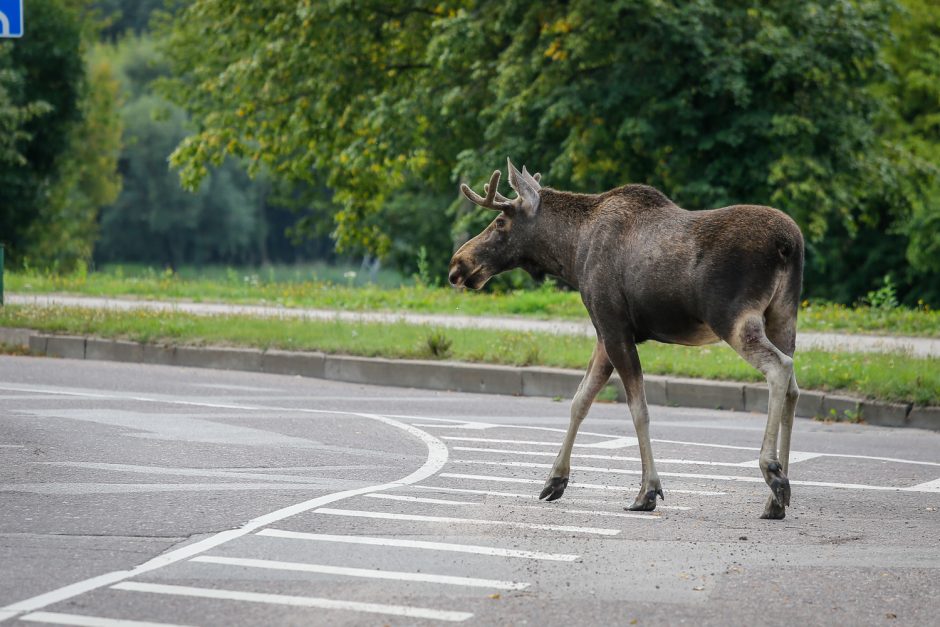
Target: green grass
(304, 287)
(893, 377)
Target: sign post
(11, 18)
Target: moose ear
(527, 187)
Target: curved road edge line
(437, 457)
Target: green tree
(41, 79)
(64, 233)
(154, 220)
(713, 101)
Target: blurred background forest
(176, 133)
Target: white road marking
(126, 488)
(515, 495)
(682, 442)
(928, 487)
(498, 441)
(297, 601)
(437, 458)
(57, 618)
(614, 443)
(187, 472)
(619, 488)
(477, 426)
(367, 573)
(419, 544)
(472, 521)
(593, 512)
(613, 458)
(418, 499)
(795, 456)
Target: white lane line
(682, 442)
(437, 458)
(795, 456)
(297, 601)
(186, 472)
(612, 458)
(473, 426)
(418, 499)
(614, 443)
(619, 488)
(367, 573)
(472, 521)
(928, 487)
(58, 618)
(515, 495)
(452, 438)
(419, 544)
(594, 512)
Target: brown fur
(650, 270)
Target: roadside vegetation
(890, 377)
(323, 287)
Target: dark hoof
(554, 488)
(773, 510)
(779, 485)
(646, 502)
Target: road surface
(197, 497)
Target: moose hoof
(773, 510)
(779, 484)
(554, 488)
(646, 501)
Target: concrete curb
(464, 377)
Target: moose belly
(688, 335)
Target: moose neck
(554, 247)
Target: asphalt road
(197, 497)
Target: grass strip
(539, 303)
(888, 377)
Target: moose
(647, 269)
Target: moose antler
(494, 200)
(500, 197)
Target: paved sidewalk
(916, 346)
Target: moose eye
(500, 223)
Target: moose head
(503, 244)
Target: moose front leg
(627, 362)
(598, 373)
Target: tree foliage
(41, 84)
(228, 219)
(784, 102)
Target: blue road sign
(11, 18)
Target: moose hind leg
(750, 341)
(598, 373)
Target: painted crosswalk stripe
(472, 521)
(366, 573)
(617, 458)
(418, 499)
(564, 510)
(58, 618)
(592, 512)
(297, 601)
(614, 443)
(419, 544)
(453, 438)
(691, 475)
(595, 486)
(516, 495)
